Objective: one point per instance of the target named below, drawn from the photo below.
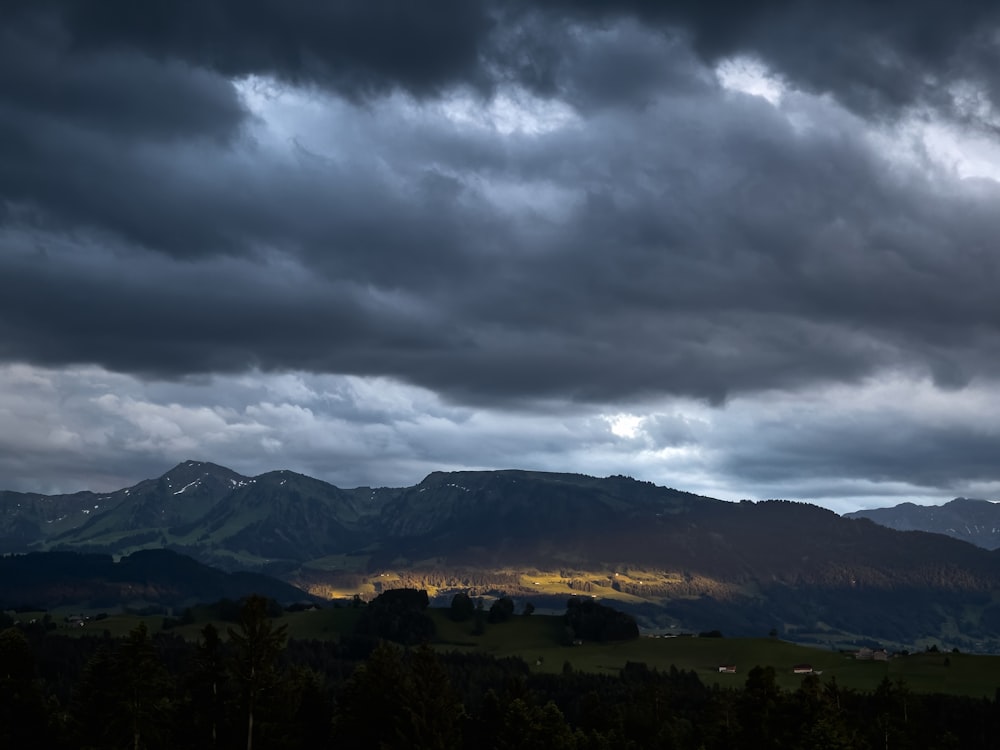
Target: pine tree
(145, 690)
(257, 644)
(124, 697)
(23, 715)
(93, 705)
(433, 711)
(305, 708)
(369, 709)
(207, 686)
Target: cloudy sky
(747, 249)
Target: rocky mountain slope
(975, 521)
(125, 516)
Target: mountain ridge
(968, 519)
(675, 557)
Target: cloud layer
(535, 216)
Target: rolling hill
(41, 580)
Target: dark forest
(252, 687)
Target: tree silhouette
(124, 697)
(145, 690)
(397, 615)
(305, 708)
(23, 717)
(462, 607)
(530, 727)
(207, 684)
(257, 644)
(399, 700)
(435, 710)
(93, 702)
(369, 709)
(501, 610)
(759, 706)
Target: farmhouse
(727, 668)
(802, 669)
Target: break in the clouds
(747, 249)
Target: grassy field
(536, 640)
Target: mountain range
(677, 560)
(975, 521)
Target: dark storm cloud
(893, 443)
(151, 318)
(875, 57)
(794, 259)
(359, 48)
(120, 93)
(117, 93)
(670, 238)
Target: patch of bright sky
(750, 76)
(289, 112)
(968, 153)
(625, 425)
(280, 107)
(304, 120)
(966, 150)
(965, 147)
(511, 111)
(641, 453)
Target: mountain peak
(188, 471)
(285, 476)
(192, 465)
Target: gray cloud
(840, 446)
(121, 93)
(89, 428)
(357, 48)
(874, 57)
(703, 244)
(510, 205)
(899, 436)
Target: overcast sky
(746, 249)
